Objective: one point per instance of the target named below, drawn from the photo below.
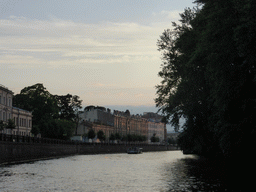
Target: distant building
(100, 118)
(155, 126)
(96, 118)
(125, 123)
(21, 118)
(99, 115)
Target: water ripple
(158, 171)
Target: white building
(96, 118)
(21, 118)
(98, 114)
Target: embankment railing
(27, 139)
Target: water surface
(152, 171)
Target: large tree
(68, 106)
(53, 116)
(40, 102)
(101, 136)
(91, 134)
(209, 77)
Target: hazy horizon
(103, 51)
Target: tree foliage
(2, 125)
(57, 129)
(208, 77)
(68, 106)
(38, 100)
(117, 136)
(101, 136)
(53, 116)
(91, 134)
(10, 124)
(112, 137)
(154, 138)
(135, 138)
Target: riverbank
(27, 149)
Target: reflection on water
(197, 174)
(159, 171)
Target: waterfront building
(22, 118)
(155, 126)
(96, 118)
(123, 123)
(98, 114)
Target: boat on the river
(134, 150)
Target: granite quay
(18, 149)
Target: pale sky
(101, 50)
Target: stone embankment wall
(14, 149)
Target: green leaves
(2, 125)
(68, 106)
(10, 124)
(154, 138)
(53, 116)
(208, 74)
(91, 134)
(101, 136)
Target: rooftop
(5, 89)
(21, 109)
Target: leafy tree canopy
(10, 124)
(68, 106)
(53, 116)
(112, 137)
(91, 134)
(2, 125)
(209, 77)
(101, 136)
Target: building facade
(96, 118)
(99, 115)
(155, 126)
(21, 118)
(123, 123)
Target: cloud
(172, 15)
(100, 85)
(56, 43)
(77, 43)
(19, 61)
(164, 18)
(120, 96)
(103, 63)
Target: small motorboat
(134, 150)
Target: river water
(152, 171)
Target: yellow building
(123, 123)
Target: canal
(152, 171)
